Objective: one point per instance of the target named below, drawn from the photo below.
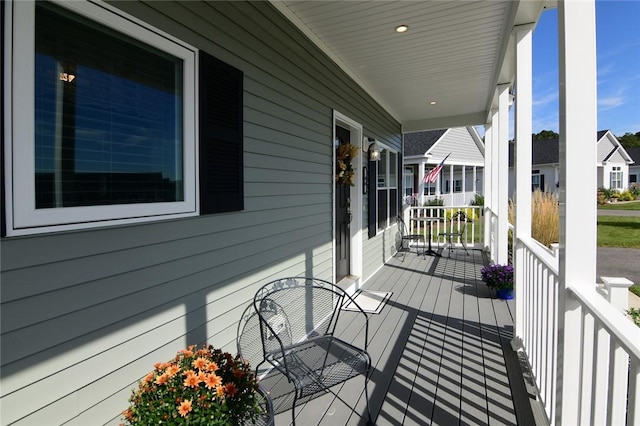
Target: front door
(342, 216)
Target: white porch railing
(609, 354)
(473, 237)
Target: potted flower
(198, 386)
(500, 278)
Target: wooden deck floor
(440, 351)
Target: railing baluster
(618, 385)
(600, 375)
(633, 398)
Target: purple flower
(498, 276)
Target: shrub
(634, 313)
(478, 200)
(634, 188)
(437, 201)
(471, 213)
(626, 196)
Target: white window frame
(389, 185)
(615, 178)
(22, 217)
(408, 182)
(536, 180)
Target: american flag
(432, 176)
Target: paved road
(618, 262)
(618, 212)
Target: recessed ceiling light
(402, 28)
(432, 103)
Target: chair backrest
(248, 341)
(402, 227)
(293, 309)
(458, 222)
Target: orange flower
(128, 414)
(200, 363)
(213, 366)
(212, 381)
(220, 391)
(185, 408)
(149, 377)
(192, 380)
(172, 370)
(162, 379)
(230, 389)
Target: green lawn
(631, 205)
(618, 231)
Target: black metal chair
(409, 238)
(298, 317)
(456, 229)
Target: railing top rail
(445, 207)
(541, 252)
(626, 332)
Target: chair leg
(464, 245)
(366, 395)
(293, 409)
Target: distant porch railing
(472, 238)
(608, 391)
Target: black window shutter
(400, 176)
(221, 136)
(542, 187)
(373, 193)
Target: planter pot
(504, 293)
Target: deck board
(440, 352)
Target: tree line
(627, 140)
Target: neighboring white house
(613, 161)
(634, 169)
(462, 174)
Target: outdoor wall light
(374, 150)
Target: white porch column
(522, 161)
(501, 145)
(464, 185)
(421, 184)
(474, 185)
(578, 125)
(451, 203)
(488, 191)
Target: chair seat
(319, 363)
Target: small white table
(430, 220)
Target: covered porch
(440, 350)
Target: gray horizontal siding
(85, 314)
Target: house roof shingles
(418, 143)
(547, 151)
(634, 153)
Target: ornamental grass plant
(545, 217)
(198, 386)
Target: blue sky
(618, 61)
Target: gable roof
(634, 153)
(418, 143)
(547, 151)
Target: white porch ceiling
(455, 52)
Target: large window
(615, 178)
(387, 188)
(103, 119)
